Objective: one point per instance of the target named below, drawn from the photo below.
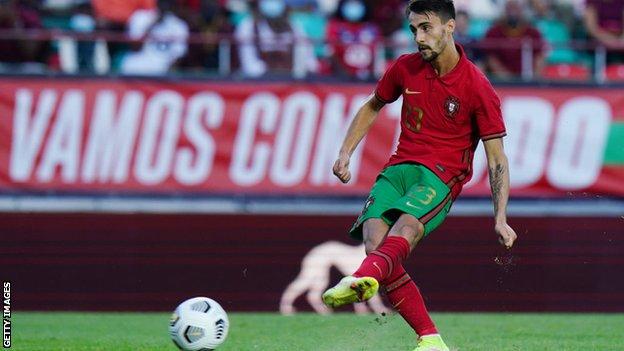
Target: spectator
(164, 36)
(352, 40)
(549, 20)
(313, 23)
(462, 36)
(389, 16)
(211, 23)
(82, 21)
(269, 42)
(504, 44)
(604, 21)
(25, 54)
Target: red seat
(564, 71)
(615, 72)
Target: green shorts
(406, 188)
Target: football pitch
(343, 331)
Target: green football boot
(351, 289)
(431, 343)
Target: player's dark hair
(445, 9)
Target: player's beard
(428, 55)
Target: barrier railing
(67, 43)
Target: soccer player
(448, 105)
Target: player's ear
(450, 26)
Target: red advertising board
(189, 137)
(154, 261)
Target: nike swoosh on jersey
(409, 92)
(411, 204)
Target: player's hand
(506, 235)
(341, 168)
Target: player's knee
(410, 228)
(412, 232)
(371, 244)
(372, 241)
(374, 232)
(420, 229)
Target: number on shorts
(431, 193)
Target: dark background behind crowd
(350, 39)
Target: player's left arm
(499, 183)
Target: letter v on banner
(29, 130)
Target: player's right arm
(357, 130)
(389, 89)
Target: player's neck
(447, 60)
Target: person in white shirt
(164, 37)
(269, 42)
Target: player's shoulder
(411, 61)
(477, 78)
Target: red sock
(381, 262)
(406, 299)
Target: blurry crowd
(352, 39)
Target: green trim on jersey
(406, 188)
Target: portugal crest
(451, 106)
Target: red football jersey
(442, 118)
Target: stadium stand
(81, 36)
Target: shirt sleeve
(389, 87)
(489, 118)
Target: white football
(198, 324)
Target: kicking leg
(402, 237)
(381, 259)
(359, 288)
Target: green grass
(270, 332)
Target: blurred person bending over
(448, 106)
(270, 43)
(604, 20)
(352, 39)
(163, 38)
(505, 40)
